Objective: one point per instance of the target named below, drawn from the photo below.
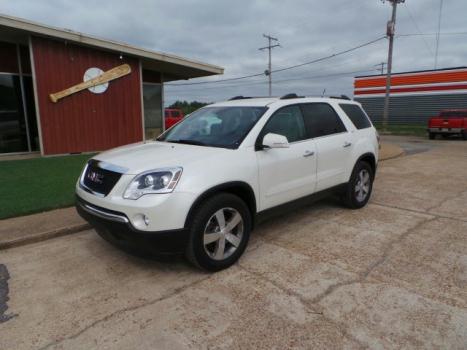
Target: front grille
(99, 180)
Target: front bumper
(446, 130)
(116, 228)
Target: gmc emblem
(95, 177)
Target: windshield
(215, 126)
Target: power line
(418, 28)
(286, 68)
(431, 34)
(439, 29)
(331, 75)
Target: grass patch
(404, 129)
(34, 185)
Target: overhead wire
(285, 68)
(418, 29)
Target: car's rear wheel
(464, 134)
(360, 186)
(219, 232)
(431, 135)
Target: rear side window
(288, 122)
(453, 114)
(356, 115)
(321, 120)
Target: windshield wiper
(188, 142)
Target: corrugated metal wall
(412, 108)
(85, 122)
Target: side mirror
(275, 141)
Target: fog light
(140, 221)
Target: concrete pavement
(392, 275)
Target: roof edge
(67, 34)
(412, 72)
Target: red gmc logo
(95, 177)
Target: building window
(152, 98)
(13, 133)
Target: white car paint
(276, 175)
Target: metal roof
(18, 29)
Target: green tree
(187, 107)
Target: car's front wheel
(360, 186)
(219, 232)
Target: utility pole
(382, 64)
(270, 46)
(391, 28)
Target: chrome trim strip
(107, 166)
(103, 214)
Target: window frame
(336, 113)
(258, 144)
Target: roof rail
(238, 98)
(341, 97)
(289, 96)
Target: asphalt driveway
(392, 275)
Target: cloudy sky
(229, 33)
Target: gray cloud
(229, 33)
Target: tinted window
(356, 115)
(287, 121)
(453, 114)
(321, 120)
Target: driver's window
(287, 121)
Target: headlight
(153, 181)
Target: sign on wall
(95, 80)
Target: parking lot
(392, 275)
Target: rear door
(286, 174)
(333, 143)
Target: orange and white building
(415, 96)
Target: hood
(145, 156)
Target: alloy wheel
(362, 188)
(223, 233)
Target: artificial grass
(34, 185)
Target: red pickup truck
(448, 122)
(172, 116)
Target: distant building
(415, 96)
(37, 61)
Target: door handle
(308, 154)
(347, 144)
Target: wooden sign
(105, 77)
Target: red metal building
(36, 61)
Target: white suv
(199, 187)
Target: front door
(286, 174)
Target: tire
(224, 248)
(357, 198)
(464, 135)
(431, 136)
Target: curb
(400, 154)
(42, 236)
